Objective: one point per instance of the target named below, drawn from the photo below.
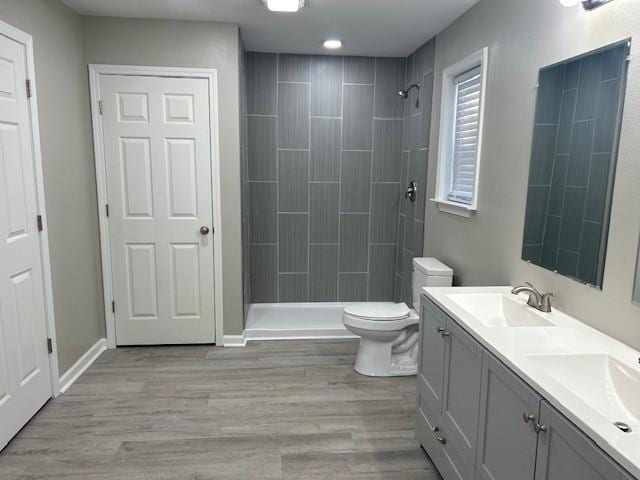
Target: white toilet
(389, 331)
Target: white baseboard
(235, 340)
(84, 362)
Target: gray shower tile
(293, 68)
(353, 287)
(390, 78)
(412, 235)
(293, 287)
(567, 262)
(384, 213)
(598, 187)
(426, 100)
(612, 62)
(418, 238)
(590, 73)
(354, 233)
(423, 60)
(293, 115)
(359, 70)
(536, 214)
(407, 274)
(532, 253)
(381, 272)
(323, 273)
(572, 74)
(357, 117)
(563, 145)
(356, 182)
(325, 212)
(572, 215)
(549, 94)
(404, 181)
(262, 83)
(263, 215)
(387, 150)
(580, 156)
(400, 244)
(293, 181)
(293, 247)
(326, 86)
(589, 252)
(397, 289)
(325, 149)
(606, 117)
(542, 151)
(421, 181)
(418, 159)
(556, 196)
(262, 148)
(264, 273)
(550, 246)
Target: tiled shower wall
(415, 155)
(244, 178)
(327, 175)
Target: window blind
(466, 128)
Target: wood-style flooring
(272, 410)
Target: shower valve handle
(412, 190)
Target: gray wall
(199, 45)
(325, 158)
(69, 180)
(414, 167)
(485, 250)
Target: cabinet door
(462, 381)
(506, 442)
(432, 347)
(565, 453)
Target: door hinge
(29, 91)
(49, 345)
(113, 307)
(106, 209)
(100, 107)
(39, 222)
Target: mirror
(573, 158)
(636, 287)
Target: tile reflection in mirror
(573, 157)
(636, 287)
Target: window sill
(454, 208)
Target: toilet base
(389, 359)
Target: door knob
(204, 230)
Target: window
(461, 135)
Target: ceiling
(366, 27)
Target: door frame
(95, 72)
(25, 39)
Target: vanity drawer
(440, 447)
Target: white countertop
(514, 346)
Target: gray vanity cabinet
(507, 438)
(432, 351)
(461, 392)
(565, 453)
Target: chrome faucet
(537, 300)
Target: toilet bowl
(389, 331)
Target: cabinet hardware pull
(528, 417)
(540, 428)
(443, 332)
(439, 438)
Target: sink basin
(608, 386)
(499, 310)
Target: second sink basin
(608, 386)
(499, 310)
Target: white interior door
(24, 366)
(157, 146)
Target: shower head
(404, 93)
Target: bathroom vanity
(509, 393)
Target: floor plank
(272, 410)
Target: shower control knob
(204, 230)
(412, 190)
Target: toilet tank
(429, 272)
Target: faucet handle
(545, 301)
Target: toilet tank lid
(432, 266)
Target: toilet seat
(380, 316)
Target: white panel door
(159, 187)
(24, 365)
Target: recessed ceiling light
(332, 44)
(284, 5)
